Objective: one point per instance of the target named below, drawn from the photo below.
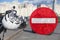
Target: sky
(34, 1)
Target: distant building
(43, 5)
(56, 9)
(23, 9)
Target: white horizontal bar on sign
(43, 20)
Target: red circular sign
(43, 20)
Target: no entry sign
(43, 20)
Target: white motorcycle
(12, 21)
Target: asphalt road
(28, 35)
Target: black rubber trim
(5, 18)
(8, 15)
(11, 21)
(16, 23)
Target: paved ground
(28, 35)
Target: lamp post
(53, 6)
